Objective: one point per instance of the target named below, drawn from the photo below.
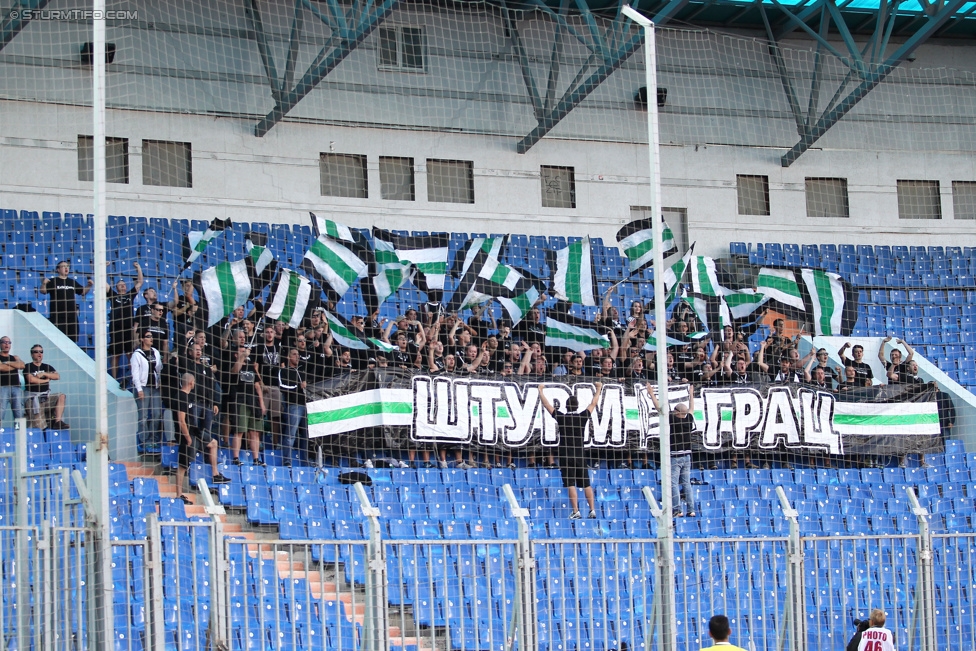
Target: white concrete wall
(726, 115)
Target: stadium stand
(856, 524)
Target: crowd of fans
(245, 377)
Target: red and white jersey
(877, 639)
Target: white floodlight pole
(667, 639)
(98, 469)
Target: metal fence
(190, 586)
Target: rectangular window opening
(343, 175)
(558, 187)
(919, 200)
(753, 194)
(167, 164)
(450, 181)
(397, 178)
(116, 159)
(402, 48)
(964, 199)
(827, 197)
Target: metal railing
(192, 586)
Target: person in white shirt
(877, 637)
(147, 364)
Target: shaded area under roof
(860, 15)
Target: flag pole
(667, 640)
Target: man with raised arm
(682, 421)
(572, 427)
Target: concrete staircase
(322, 580)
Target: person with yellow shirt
(719, 631)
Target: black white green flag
(780, 285)
(636, 240)
(290, 299)
(829, 299)
(196, 242)
(574, 280)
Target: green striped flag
(636, 240)
(704, 281)
(290, 299)
(343, 334)
(328, 228)
(389, 273)
(574, 280)
(379, 344)
(519, 305)
(780, 285)
(740, 304)
(669, 341)
(225, 287)
(674, 274)
(196, 241)
(333, 265)
(698, 305)
(827, 297)
(355, 411)
(426, 253)
(564, 331)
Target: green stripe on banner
(632, 414)
(228, 287)
(502, 411)
(704, 282)
(433, 268)
(288, 311)
(886, 420)
(336, 263)
(825, 296)
(371, 409)
(640, 249)
(784, 285)
(574, 264)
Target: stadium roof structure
(876, 36)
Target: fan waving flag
(574, 280)
(425, 253)
(290, 299)
(196, 242)
(516, 290)
(336, 264)
(833, 302)
(636, 240)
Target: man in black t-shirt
(291, 383)
(10, 393)
(63, 308)
(896, 368)
(682, 428)
(269, 361)
(121, 319)
(46, 409)
(861, 368)
(188, 417)
(154, 321)
(572, 464)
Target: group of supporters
(35, 401)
